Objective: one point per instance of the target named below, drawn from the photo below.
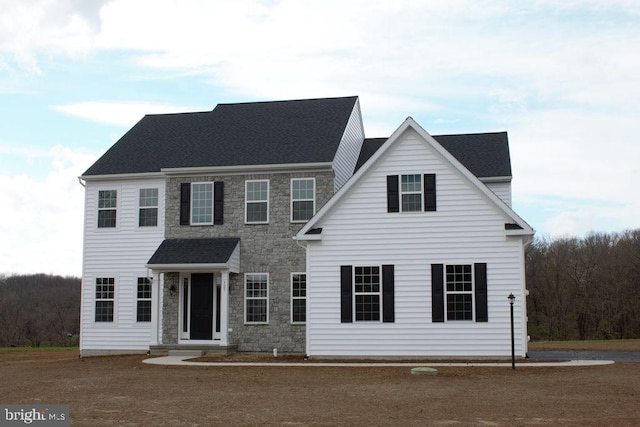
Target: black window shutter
(218, 202)
(346, 294)
(388, 309)
(437, 293)
(480, 273)
(185, 203)
(393, 195)
(429, 192)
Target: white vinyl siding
(502, 190)
(348, 151)
(466, 228)
(122, 254)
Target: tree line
(580, 288)
(38, 310)
(584, 288)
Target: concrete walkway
(183, 361)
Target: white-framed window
(202, 203)
(105, 299)
(256, 298)
(257, 201)
(107, 206)
(367, 292)
(298, 297)
(303, 199)
(411, 193)
(459, 291)
(148, 207)
(143, 307)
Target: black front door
(201, 321)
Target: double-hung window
(202, 203)
(107, 206)
(105, 298)
(459, 290)
(256, 288)
(257, 202)
(367, 292)
(411, 193)
(144, 300)
(302, 199)
(298, 297)
(148, 211)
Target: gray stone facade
(264, 248)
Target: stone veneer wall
(170, 309)
(264, 248)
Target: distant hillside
(39, 309)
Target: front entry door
(201, 319)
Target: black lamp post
(512, 299)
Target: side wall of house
(120, 253)
(264, 248)
(466, 228)
(501, 189)
(347, 154)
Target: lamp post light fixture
(512, 299)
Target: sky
(561, 77)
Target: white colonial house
(416, 256)
(266, 225)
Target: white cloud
(118, 113)
(42, 217)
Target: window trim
(299, 298)
(265, 298)
(149, 281)
(471, 292)
(420, 192)
(110, 208)
(148, 207)
(378, 294)
(246, 201)
(192, 198)
(112, 300)
(292, 201)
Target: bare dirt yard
(122, 391)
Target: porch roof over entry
(197, 255)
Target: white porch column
(224, 309)
(155, 308)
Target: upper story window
(202, 203)
(257, 202)
(107, 206)
(303, 199)
(411, 193)
(148, 211)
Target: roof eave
(163, 268)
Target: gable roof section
(484, 154)
(258, 133)
(195, 253)
(518, 226)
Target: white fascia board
(187, 267)
(243, 169)
(122, 176)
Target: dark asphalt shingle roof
(194, 251)
(258, 133)
(484, 154)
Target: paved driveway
(617, 356)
